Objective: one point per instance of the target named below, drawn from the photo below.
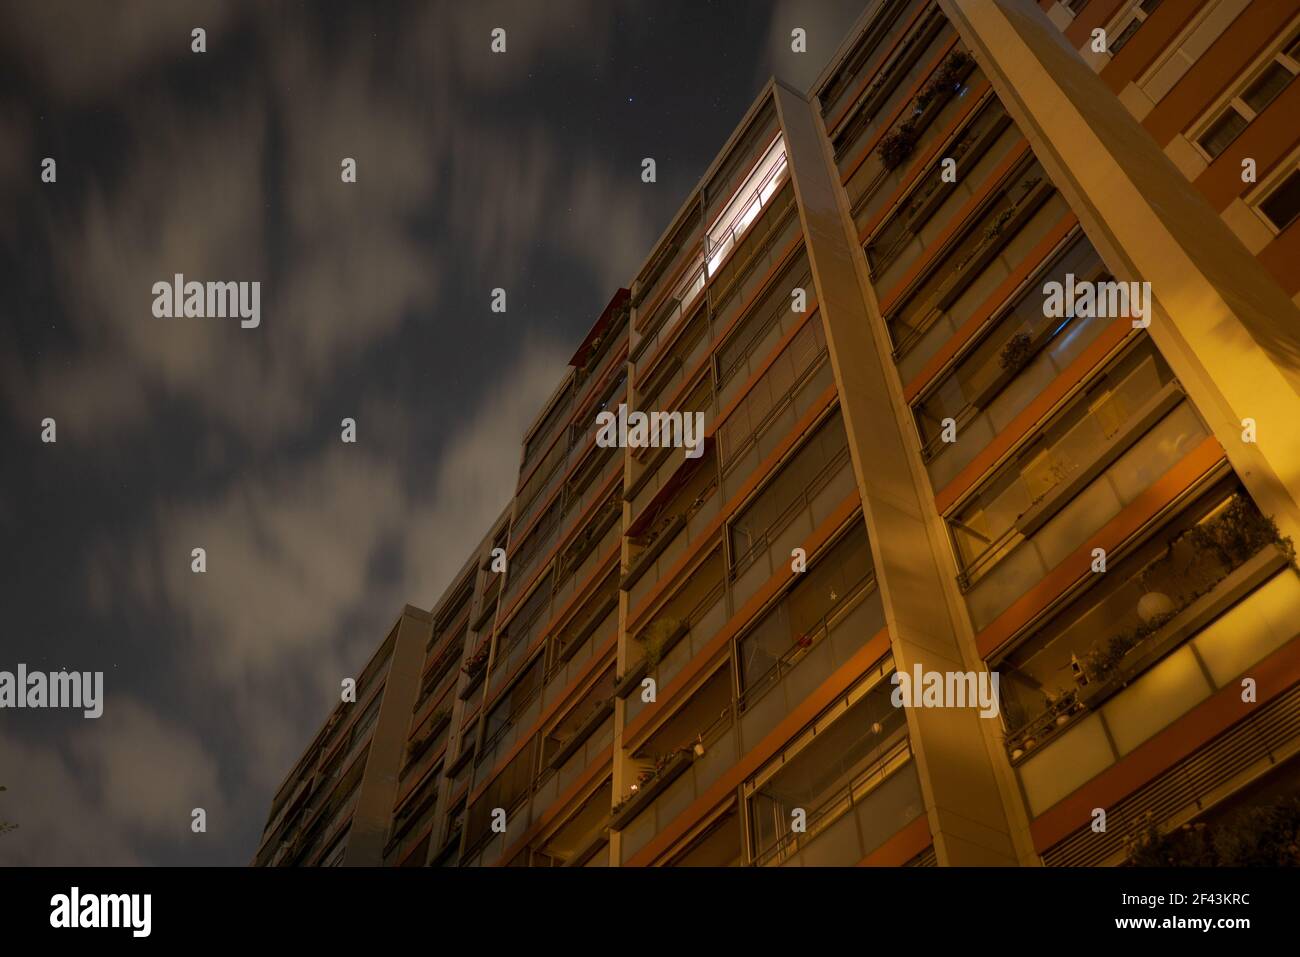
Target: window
(334, 856)
(555, 411)
(792, 484)
(506, 791)
(987, 528)
(744, 207)
(827, 768)
(1283, 204)
(1138, 14)
(1253, 98)
(579, 719)
(794, 623)
(512, 704)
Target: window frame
(1235, 100)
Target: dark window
(1224, 130)
(1283, 205)
(1265, 89)
(1124, 36)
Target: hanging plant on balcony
(994, 229)
(1016, 353)
(1238, 532)
(897, 145)
(946, 81)
(476, 662)
(1266, 835)
(1232, 537)
(656, 635)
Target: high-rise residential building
(995, 338)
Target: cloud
(84, 51)
(126, 778)
(289, 605)
(825, 22)
(312, 546)
(61, 819)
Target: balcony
(935, 108)
(1138, 612)
(832, 611)
(767, 320)
(759, 249)
(677, 632)
(589, 546)
(677, 258)
(784, 393)
(984, 137)
(890, 88)
(573, 644)
(1017, 213)
(886, 25)
(801, 495)
(679, 763)
(1172, 632)
(668, 529)
(1009, 365)
(516, 641)
(753, 196)
(655, 468)
(1130, 427)
(850, 774)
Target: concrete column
(963, 795)
(378, 788)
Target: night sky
(474, 171)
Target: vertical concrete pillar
(963, 795)
(378, 789)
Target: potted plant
(897, 145)
(658, 635)
(1016, 352)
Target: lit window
(739, 214)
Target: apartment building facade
(911, 461)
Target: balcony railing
(956, 267)
(1133, 625)
(1229, 636)
(1021, 344)
(909, 134)
(885, 797)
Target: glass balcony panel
(759, 251)
(839, 768)
(1251, 630)
(1153, 455)
(1262, 622)
(986, 251)
(1066, 764)
(877, 43)
(979, 372)
(982, 528)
